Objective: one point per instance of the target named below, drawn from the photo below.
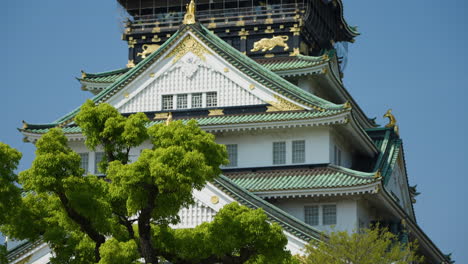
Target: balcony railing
(228, 16)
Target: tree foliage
(127, 215)
(369, 246)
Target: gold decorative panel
(189, 44)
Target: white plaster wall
(346, 150)
(346, 212)
(256, 149)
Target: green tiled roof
(104, 77)
(389, 144)
(295, 62)
(300, 178)
(217, 120)
(287, 221)
(231, 55)
(273, 64)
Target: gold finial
(378, 175)
(169, 119)
(130, 64)
(83, 74)
(347, 105)
(189, 17)
(391, 117)
(25, 125)
(392, 121)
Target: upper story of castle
(307, 27)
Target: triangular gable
(284, 95)
(187, 72)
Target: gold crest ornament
(189, 17)
(266, 44)
(147, 50)
(392, 121)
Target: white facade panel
(346, 212)
(256, 149)
(187, 77)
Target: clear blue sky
(411, 57)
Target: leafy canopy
(126, 215)
(370, 246)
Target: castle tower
(307, 27)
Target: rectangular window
(211, 99)
(84, 161)
(197, 101)
(182, 101)
(167, 102)
(298, 151)
(279, 152)
(232, 155)
(97, 159)
(329, 214)
(311, 215)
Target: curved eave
(369, 188)
(286, 120)
(352, 31)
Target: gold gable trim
(188, 44)
(282, 105)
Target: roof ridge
(353, 173)
(106, 73)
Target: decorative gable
(188, 76)
(190, 67)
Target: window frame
(317, 207)
(84, 161)
(96, 162)
(279, 158)
(236, 163)
(210, 99)
(294, 153)
(179, 97)
(323, 206)
(169, 100)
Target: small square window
(211, 99)
(329, 215)
(97, 159)
(232, 155)
(279, 153)
(311, 215)
(298, 151)
(197, 101)
(182, 101)
(84, 161)
(167, 102)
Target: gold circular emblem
(214, 199)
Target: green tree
(127, 215)
(370, 246)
